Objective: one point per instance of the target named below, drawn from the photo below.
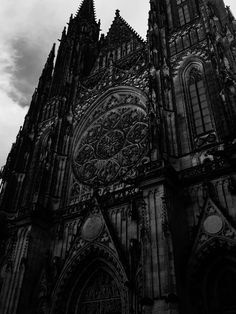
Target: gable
(120, 43)
(121, 32)
(214, 230)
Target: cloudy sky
(28, 30)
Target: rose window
(111, 145)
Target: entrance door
(227, 291)
(221, 290)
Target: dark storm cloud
(28, 65)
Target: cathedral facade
(119, 194)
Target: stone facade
(119, 194)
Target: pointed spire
(42, 91)
(51, 57)
(63, 34)
(48, 68)
(87, 10)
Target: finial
(117, 12)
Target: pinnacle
(86, 10)
(52, 52)
(50, 57)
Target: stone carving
(101, 295)
(130, 72)
(92, 228)
(199, 51)
(113, 143)
(214, 229)
(207, 139)
(213, 224)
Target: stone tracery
(115, 141)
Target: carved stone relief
(101, 295)
(114, 140)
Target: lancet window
(199, 103)
(183, 12)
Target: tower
(118, 195)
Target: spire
(50, 60)
(41, 93)
(48, 68)
(86, 10)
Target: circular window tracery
(112, 144)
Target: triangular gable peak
(214, 230)
(94, 231)
(121, 32)
(120, 42)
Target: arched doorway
(93, 282)
(212, 281)
(100, 295)
(220, 287)
(226, 292)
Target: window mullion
(200, 105)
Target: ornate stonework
(101, 295)
(113, 142)
(92, 228)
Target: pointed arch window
(183, 12)
(199, 103)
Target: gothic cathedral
(119, 194)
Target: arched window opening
(199, 104)
(183, 11)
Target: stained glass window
(199, 103)
(183, 11)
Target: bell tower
(196, 39)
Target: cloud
(20, 63)
(27, 33)
(11, 118)
(27, 65)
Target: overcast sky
(28, 30)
